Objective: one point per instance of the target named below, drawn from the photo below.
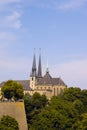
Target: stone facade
(46, 84)
(48, 87)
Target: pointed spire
(34, 65)
(47, 69)
(40, 66)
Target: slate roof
(24, 83)
(58, 81)
(45, 80)
(48, 80)
(1, 84)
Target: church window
(61, 91)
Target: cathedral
(46, 84)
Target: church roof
(58, 81)
(1, 84)
(45, 80)
(48, 80)
(24, 83)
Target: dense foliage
(64, 112)
(12, 89)
(34, 104)
(8, 123)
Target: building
(46, 84)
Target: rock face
(15, 110)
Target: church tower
(40, 67)
(33, 74)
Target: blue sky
(58, 27)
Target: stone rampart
(15, 110)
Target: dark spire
(39, 66)
(34, 65)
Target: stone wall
(15, 110)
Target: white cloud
(73, 73)
(4, 4)
(10, 19)
(13, 20)
(10, 15)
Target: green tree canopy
(59, 114)
(64, 112)
(8, 123)
(81, 123)
(33, 104)
(71, 94)
(12, 89)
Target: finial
(47, 69)
(40, 50)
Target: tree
(63, 112)
(81, 123)
(71, 94)
(12, 89)
(78, 105)
(83, 98)
(8, 123)
(59, 114)
(39, 101)
(48, 119)
(34, 104)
